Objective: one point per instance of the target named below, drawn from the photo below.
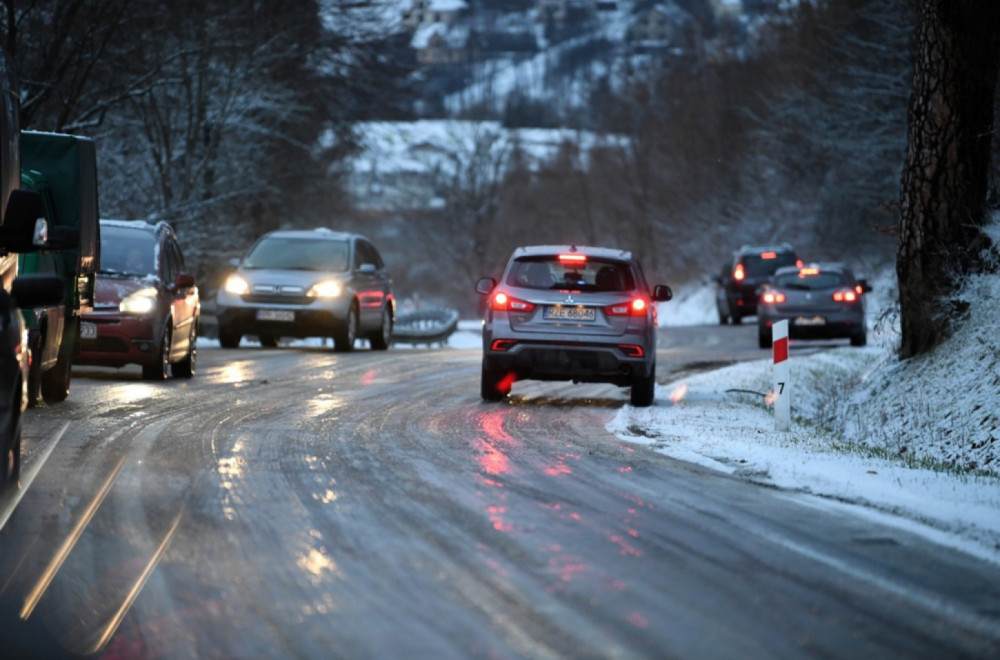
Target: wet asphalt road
(298, 503)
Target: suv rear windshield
(580, 274)
(299, 254)
(765, 263)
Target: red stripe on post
(780, 350)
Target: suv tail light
(846, 296)
(634, 307)
(772, 298)
(739, 273)
(501, 302)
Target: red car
(146, 305)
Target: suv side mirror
(367, 269)
(865, 286)
(662, 293)
(485, 285)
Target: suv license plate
(275, 315)
(88, 330)
(570, 313)
(815, 320)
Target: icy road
(298, 503)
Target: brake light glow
(846, 295)
(772, 297)
(573, 258)
(631, 350)
(739, 273)
(636, 307)
(501, 302)
(857, 287)
(768, 255)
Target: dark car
(819, 301)
(146, 307)
(571, 313)
(743, 274)
(308, 283)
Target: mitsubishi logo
(569, 300)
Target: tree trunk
(945, 175)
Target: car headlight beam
(326, 289)
(142, 301)
(236, 285)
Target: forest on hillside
(210, 115)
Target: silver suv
(567, 312)
(301, 283)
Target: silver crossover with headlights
(303, 283)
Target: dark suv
(566, 312)
(749, 268)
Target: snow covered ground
(913, 443)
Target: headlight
(326, 289)
(142, 301)
(236, 285)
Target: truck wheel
(55, 381)
(35, 371)
(643, 389)
(10, 459)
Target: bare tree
(945, 176)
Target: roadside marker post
(782, 389)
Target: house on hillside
(426, 12)
(666, 27)
(439, 43)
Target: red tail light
(772, 297)
(635, 307)
(739, 273)
(501, 302)
(768, 255)
(846, 296)
(573, 258)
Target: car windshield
(299, 254)
(806, 282)
(584, 274)
(126, 251)
(757, 265)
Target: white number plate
(275, 315)
(570, 313)
(815, 320)
(88, 330)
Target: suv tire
(492, 385)
(644, 389)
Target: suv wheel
(159, 370)
(763, 336)
(344, 338)
(859, 339)
(186, 367)
(493, 385)
(643, 389)
(228, 338)
(381, 338)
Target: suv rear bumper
(575, 361)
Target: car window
(127, 251)
(825, 280)
(757, 265)
(171, 261)
(585, 275)
(367, 254)
(299, 254)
